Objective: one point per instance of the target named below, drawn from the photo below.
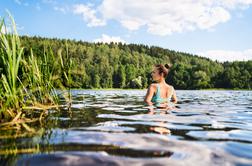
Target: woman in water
(160, 93)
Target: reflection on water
(109, 127)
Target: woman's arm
(149, 95)
(174, 97)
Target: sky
(218, 29)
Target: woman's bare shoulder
(153, 85)
(170, 87)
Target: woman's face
(155, 74)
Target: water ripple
(114, 127)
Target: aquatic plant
(26, 85)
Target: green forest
(99, 65)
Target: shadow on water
(109, 127)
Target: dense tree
(98, 65)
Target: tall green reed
(11, 55)
(26, 81)
(66, 66)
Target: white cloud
(89, 15)
(60, 9)
(231, 4)
(49, 1)
(21, 2)
(108, 39)
(222, 55)
(162, 17)
(18, 2)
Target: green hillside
(98, 65)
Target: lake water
(112, 127)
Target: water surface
(113, 127)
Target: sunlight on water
(112, 127)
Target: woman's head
(160, 71)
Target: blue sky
(218, 29)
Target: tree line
(117, 65)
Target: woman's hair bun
(168, 66)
